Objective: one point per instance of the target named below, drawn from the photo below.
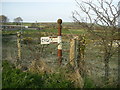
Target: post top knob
(59, 21)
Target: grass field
(64, 31)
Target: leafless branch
(106, 16)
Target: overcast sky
(39, 10)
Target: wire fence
(9, 48)
(33, 50)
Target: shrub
(57, 81)
(27, 40)
(15, 78)
(89, 83)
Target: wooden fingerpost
(19, 45)
(59, 21)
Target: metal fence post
(59, 21)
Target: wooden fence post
(19, 45)
(72, 52)
(81, 62)
(77, 47)
(78, 53)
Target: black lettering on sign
(45, 40)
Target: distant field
(64, 31)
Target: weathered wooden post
(19, 45)
(72, 52)
(81, 50)
(78, 52)
(75, 51)
(59, 21)
(77, 47)
(75, 59)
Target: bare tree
(102, 14)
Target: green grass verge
(15, 78)
(89, 83)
